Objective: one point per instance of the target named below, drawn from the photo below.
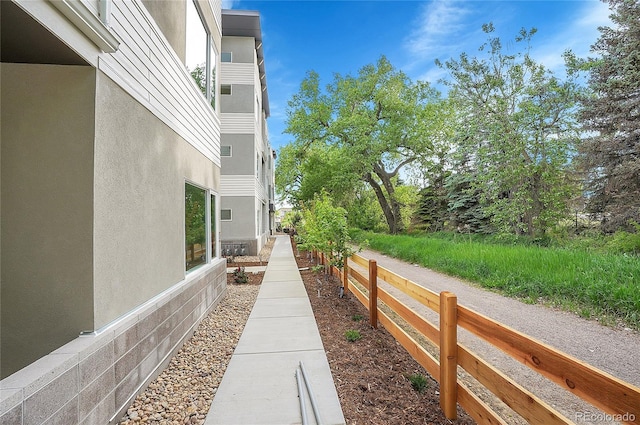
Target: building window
(195, 221)
(225, 89)
(225, 150)
(201, 57)
(225, 215)
(225, 57)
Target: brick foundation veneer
(94, 378)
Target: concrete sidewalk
(259, 386)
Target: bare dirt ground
(372, 373)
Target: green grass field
(592, 284)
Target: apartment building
(247, 177)
(110, 192)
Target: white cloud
(433, 74)
(273, 64)
(595, 14)
(437, 26)
(277, 112)
(444, 29)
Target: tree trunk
(386, 177)
(391, 211)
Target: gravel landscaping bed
(183, 392)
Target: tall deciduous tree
(305, 171)
(369, 128)
(517, 128)
(612, 115)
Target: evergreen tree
(466, 211)
(612, 114)
(432, 211)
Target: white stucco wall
(141, 166)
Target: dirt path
(615, 351)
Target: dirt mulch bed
(372, 373)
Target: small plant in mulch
(240, 276)
(357, 317)
(418, 381)
(352, 335)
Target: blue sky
(342, 36)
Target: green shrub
(625, 242)
(239, 275)
(352, 335)
(419, 382)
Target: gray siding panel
(243, 212)
(242, 48)
(241, 100)
(241, 161)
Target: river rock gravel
(183, 392)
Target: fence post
(373, 294)
(448, 354)
(345, 275)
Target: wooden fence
(618, 399)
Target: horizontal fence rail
(613, 396)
